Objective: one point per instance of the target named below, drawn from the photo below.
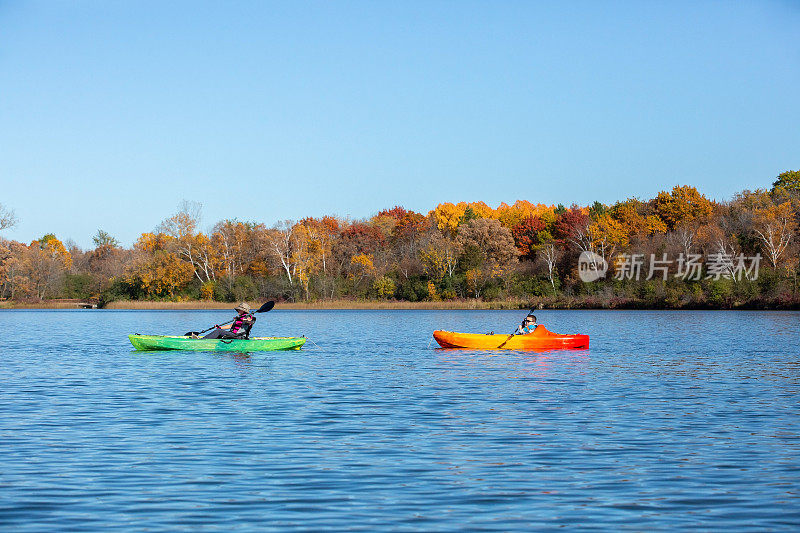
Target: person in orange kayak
(528, 325)
(239, 329)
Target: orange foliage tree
(43, 265)
(160, 274)
(682, 205)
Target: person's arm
(228, 326)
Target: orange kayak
(540, 339)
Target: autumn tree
(323, 232)
(529, 234)
(635, 218)
(355, 239)
(156, 270)
(7, 218)
(492, 244)
(105, 261)
(513, 215)
(306, 256)
(460, 248)
(320, 235)
(14, 280)
(406, 240)
(787, 189)
(491, 238)
(161, 274)
(569, 224)
(361, 268)
(236, 246)
(447, 217)
(190, 245)
(44, 264)
(719, 242)
(682, 205)
(439, 256)
(384, 287)
(183, 223)
(281, 241)
(775, 226)
(407, 226)
(789, 180)
(605, 235)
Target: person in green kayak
(528, 325)
(239, 329)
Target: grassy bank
(580, 302)
(44, 304)
(145, 305)
(325, 304)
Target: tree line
(524, 252)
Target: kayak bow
(253, 344)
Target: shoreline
(198, 305)
(377, 305)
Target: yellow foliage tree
(434, 262)
(361, 265)
(432, 294)
(384, 287)
(684, 204)
(207, 290)
(54, 248)
(479, 209)
(448, 216)
(160, 274)
(512, 215)
(608, 234)
(633, 216)
(152, 242)
(474, 281)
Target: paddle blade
(266, 307)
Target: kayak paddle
(263, 309)
(505, 341)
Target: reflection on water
(670, 419)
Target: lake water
(670, 419)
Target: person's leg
(217, 333)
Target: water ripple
(670, 419)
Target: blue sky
(111, 113)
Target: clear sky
(111, 113)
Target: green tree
(384, 287)
(469, 214)
(104, 240)
(789, 180)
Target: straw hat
(242, 307)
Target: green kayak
(253, 344)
